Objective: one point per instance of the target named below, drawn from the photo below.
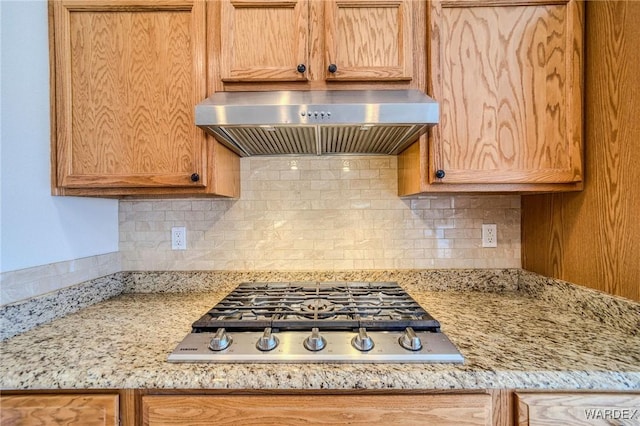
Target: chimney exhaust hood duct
(317, 122)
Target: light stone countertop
(541, 335)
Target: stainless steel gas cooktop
(317, 322)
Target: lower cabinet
(500, 407)
(65, 409)
(577, 408)
(438, 409)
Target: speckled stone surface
(608, 310)
(496, 280)
(528, 338)
(19, 317)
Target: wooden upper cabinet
(127, 76)
(508, 76)
(368, 40)
(264, 40)
(271, 41)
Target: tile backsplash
(29, 282)
(320, 213)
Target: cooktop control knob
(267, 341)
(409, 340)
(362, 341)
(220, 341)
(315, 342)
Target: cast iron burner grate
(328, 306)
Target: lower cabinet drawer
(462, 409)
(66, 409)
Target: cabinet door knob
(333, 68)
(302, 68)
(195, 177)
(440, 174)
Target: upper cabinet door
(264, 40)
(368, 40)
(127, 75)
(508, 76)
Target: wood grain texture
(480, 43)
(369, 40)
(264, 40)
(413, 178)
(128, 402)
(509, 82)
(223, 180)
(380, 44)
(573, 408)
(467, 409)
(542, 220)
(126, 84)
(409, 170)
(226, 170)
(503, 408)
(89, 410)
(593, 238)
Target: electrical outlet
(178, 238)
(489, 235)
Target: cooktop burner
(316, 322)
(302, 306)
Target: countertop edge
(429, 381)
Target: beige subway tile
(142, 206)
(463, 233)
(289, 175)
(181, 205)
(388, 187)
(161, 205)
(149, 216)
(359, 204)
(342, 264)
(332, 218)
(201, 205)
(378, 163)
(191, 215)
(389, 175)
(420, 204)
(443, 202)
(308, 175)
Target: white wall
(37, 228)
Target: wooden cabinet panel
(126, 77)
(264, 40)
(593, 238)
(467, 409)
(508, 77)
(368, 40)
(69, 409)
(577, 408)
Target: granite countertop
(531, 335)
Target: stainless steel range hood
(317, 122)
